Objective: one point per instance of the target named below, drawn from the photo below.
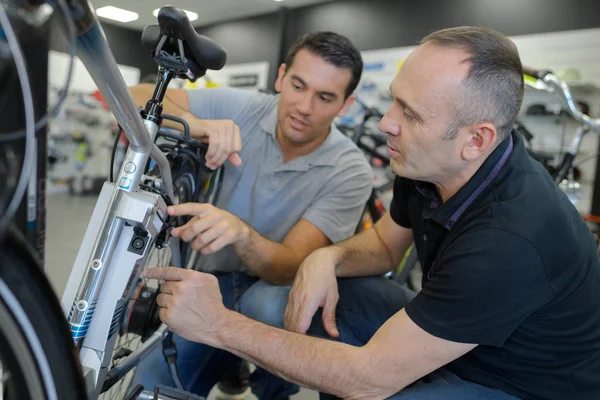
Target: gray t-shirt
(328, 187)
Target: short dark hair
(335, 49)
(493, 89)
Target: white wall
(82, 81)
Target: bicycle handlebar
(562, 89)
(536, 73)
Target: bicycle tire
(37, 347)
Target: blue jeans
(364, 305)
(201, 366)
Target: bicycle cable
(72, 38)
(28, 157)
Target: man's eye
(325, 99)
(297, 87)
(409, 117)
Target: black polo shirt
(509, 264)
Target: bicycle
(39, 357)
(563, 174)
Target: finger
(197, 209)
(304, 317)
(290, 310)
(235, 158)
(301, 313)
(163, 314)
(168, 287)
(237, 140)
(216, 245)
(164, 300)
(288, 316)
(200, 226)
(329, 314)
(214, 143)
(180, 229)
(206, 237)
(165, 274)
(226, 146)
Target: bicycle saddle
(201, 52)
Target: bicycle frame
(125, 221)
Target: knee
(265, 303)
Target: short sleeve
(483, 286)
(338, 209)
(218, 103)
(399, 204)
(243, 107)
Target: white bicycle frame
(124, 224)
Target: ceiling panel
(209, 11)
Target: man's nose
(388, 126)
(304, 106)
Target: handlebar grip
(536, 73)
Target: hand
(224, 140)
(190, 303)
(210, 229)
(315, 286)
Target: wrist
(225, 332)
(337, 254)
(244, 234)
(198, 127)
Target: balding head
(492, 86)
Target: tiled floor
(67, 221)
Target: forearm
(319, 364)
(363, 255)
(143, 92)
(273, 262)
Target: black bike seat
(174, 23)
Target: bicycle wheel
(37, 355)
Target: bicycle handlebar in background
(561, 88)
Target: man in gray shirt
(293, 183)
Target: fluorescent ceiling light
(117, 14)
(191, 15)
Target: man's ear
(280, 75)
(349, 101)
(482, 139)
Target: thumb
(329, 314)
(235, 159)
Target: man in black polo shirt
(510, 305)
(511, 278)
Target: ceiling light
(117, 14)
(191, 15)
(278, 0)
